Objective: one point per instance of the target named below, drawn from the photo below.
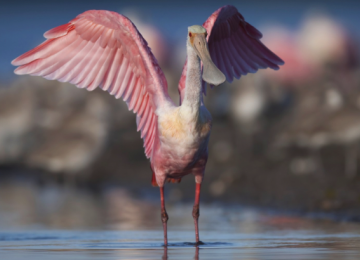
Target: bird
(104, 49)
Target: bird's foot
(199, 243)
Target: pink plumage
(104, 49)
(234, 46)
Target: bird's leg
(196, 257)
(165, 255)
(164, 215)
(196, 211)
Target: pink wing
(103, 48)
(234, 46)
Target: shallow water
(60, 223)
(148, 245)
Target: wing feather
(238, 67)
(97, 33)
(102, 68)
(79, 62)
(93, 68)
(253, 53)
(58, 60)
(130, 88)
(247, 54)
(146, 128)
(226, 66)
(125, 79)
(242, 66)
(103, 49)
(142, 108)
(68, 65)
(134, 95)
(234, 46)
(88, 30)
(84, 73)
(58, 31)
(232, 62)
(44, 50)
(111, 72)
(105, 37)
(83, 28)
(150, 133)
(144, 119)
(120, 74)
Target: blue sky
(24, 22)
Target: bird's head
(197, 40)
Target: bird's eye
(206, 34)
(190, 34)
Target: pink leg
(164, 215)
(196, 211)
(165, 255)
(196, 257)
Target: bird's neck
(192, 99)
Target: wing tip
(59, 31)
(18, 61)
(280, 62)
(277, 61)
(20, 71)
(276, 67)
(15, 61)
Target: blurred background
(286, 140)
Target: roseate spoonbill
(104, 49)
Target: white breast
(182, 132)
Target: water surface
(50, 223)
(147, 244)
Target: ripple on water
(227, 232)
(145, 244)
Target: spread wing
(234, 47)
(103, 49)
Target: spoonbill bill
(104, 49)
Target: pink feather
(103, 49)
(234, 46)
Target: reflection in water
(125, 212)
(25, 206)
(120, 245)
(46, 217)
(165, 255)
